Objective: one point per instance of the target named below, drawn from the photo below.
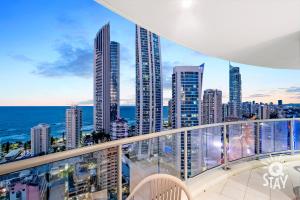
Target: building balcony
(233, 160)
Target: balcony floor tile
(244, 181)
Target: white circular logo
(275, 169)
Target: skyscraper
(107, 169)
(40, 139)
(106, 101)
(73, 127)
(115, 81)
(212, 106)
(186, 95)
(102, 80)
(148, 82)
(148, 85)
(235, 92)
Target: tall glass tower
(148, 86)
(235, 92)
(115, 81)
(186, 112)
(106, 103)
(102, 80)
(148, 82)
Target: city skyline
(61, 61)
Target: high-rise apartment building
(186, 112)
(40, 139)
(115, 81)
(107, 169)
(263, 111)
(148, 86)
(186, 94)
(148, 82)
(235, 92)
(102, 79)
(212, 106)
(73, 127)
(119, 129)
(106, 102)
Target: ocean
(16, 121)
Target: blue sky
(46, 57)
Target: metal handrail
(50, 158)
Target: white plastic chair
(160, 187)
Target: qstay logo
(274, 177)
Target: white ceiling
(255, 32)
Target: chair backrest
(161, 187)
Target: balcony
(216, 161)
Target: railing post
(292, 139)
(119, 172)
(257, 139)
(185, 155)
(225, 147)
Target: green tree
(100, 136)
(27, 145)
(6, 147)
(52, 140)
